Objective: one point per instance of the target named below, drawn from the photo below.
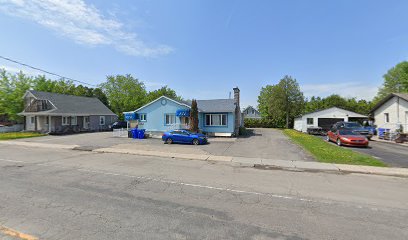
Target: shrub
(261, 123)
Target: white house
(325, 118)
(392, 112)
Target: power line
(50, 73)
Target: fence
(120, 132)
(14, 128)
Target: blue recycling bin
(382, 131)
(141, 133)
(135, 133)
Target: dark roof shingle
(216, 105)
(69, 104)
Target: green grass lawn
(16, 135)
(330, 153)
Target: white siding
(397, 114)
(301, 123)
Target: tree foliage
(395, 81)
(163, 91)
(282, 102)
(352, 104)
(124, 93)
(194, 116)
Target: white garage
(325, 118)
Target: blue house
(219, 117)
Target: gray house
(251, 112)
(60, 113)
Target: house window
(169, 119)
(101, 120)
(65, 120)
(32, 120)
(386, 117)
(47, 120)
(73, 120)
(216, 119)
(143, 117)
(309, 121)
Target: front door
(185, 121)
(86, 122)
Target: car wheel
(327, 138)
(339, 142)
(169, 141)
(196, 142)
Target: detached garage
(326, 118)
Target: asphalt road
(392, 154)
(66, 194)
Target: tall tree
(12, 90)
(281, 102)
(194, 116)
(395, 80)
(124, 93)
(163, 91)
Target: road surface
(67, 194)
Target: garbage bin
(130, 134)
(135, 133)
(141, 133)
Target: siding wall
(215, 129)
(391, 107)
(94, 122)
(155, 115)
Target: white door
(86, 122)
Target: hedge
(262, 123)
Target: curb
(261, 163)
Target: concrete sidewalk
(260, 163)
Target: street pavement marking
(17, 234)
(201, 186)
(10, 160)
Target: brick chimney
(236, 95)
(237, 111)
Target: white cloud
(82, 23)
(359, 90)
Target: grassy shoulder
(330, 153)
(17, 135)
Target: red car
(347, 137)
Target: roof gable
(159, 98)
(403, 96)
(335, 109)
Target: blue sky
(203, 49)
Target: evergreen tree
(194, 116)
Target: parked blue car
(184, 136)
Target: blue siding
(155, 113)
(219, 129)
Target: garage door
(326, 123)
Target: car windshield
(347, 132)
(352, 125)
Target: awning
(183, 113)
(131, 116)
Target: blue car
(184, 136)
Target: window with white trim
(73, 120)
(142, 117)
(169, 118)
(65, 121)
(309, 121)
(386, 117)
(216, 120)
(101, 120)
(32, 120)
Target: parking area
(262, 143)
(392, 154)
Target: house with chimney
(217, 117)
